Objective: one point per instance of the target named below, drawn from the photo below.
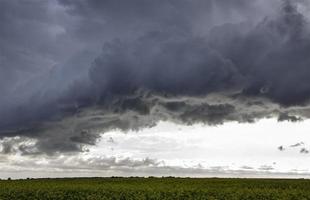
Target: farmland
(154, 188)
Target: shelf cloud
(77, 69)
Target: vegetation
(154, 188)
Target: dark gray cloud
(30, 42)
(18, 145)
(304, 150)
(287, 117)
(183, 61)
(102, 19)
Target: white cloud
(232, 149)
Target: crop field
(154, 188)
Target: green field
(154, 188)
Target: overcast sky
(143, 87)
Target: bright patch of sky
(232, 145)
(267, 148)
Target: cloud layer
(85, 67)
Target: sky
(197, 88)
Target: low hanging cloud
(287, 117)
(73, 166)
(161, 67)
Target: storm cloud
(126, 65)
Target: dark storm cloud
(268, 60)
(134, 18)
(273, 55)
(183, 61)
(287, 117)
(16, 33)
(30, 41)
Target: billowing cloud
(182, 61)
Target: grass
(155, 188)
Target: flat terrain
(154, 188)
